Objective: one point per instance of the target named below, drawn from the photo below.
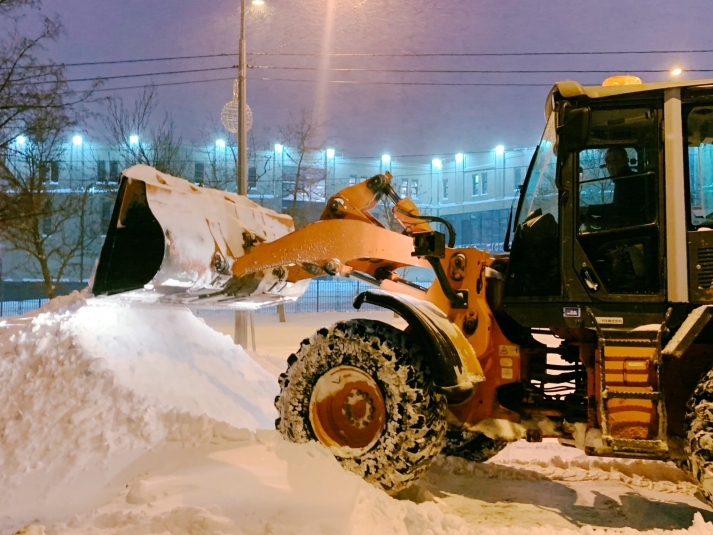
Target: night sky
(366, 120)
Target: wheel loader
(593, 327)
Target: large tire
(699, 439)
(413, 422)
(476, 447)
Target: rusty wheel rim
(347, 411)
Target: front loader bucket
(172, 242)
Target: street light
(436, 163)
(499, 150)
(133, 140)
(278, 148)
(20, 140)
(386, 159)
(77, 141)
(330, 153)
(459, 157)
(220, 143)
(676, 71)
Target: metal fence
(17, 308)
(328, 295)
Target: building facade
(474, 191)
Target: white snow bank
(169, 355)
(109, 424)
(85, 390)
(267, 486)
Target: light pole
(242, 178)
(242, 317)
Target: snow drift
(87, 389)
(128, 420)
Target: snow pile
(168, 355)
(127, 420)
(85, 390)
(265, 486)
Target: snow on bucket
(173, 242)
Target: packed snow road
(125, 420)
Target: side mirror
(573, 133)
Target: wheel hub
(347, 411)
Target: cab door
(618, 242)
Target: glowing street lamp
(330, 153)
(386, 159)
(278, 148)
(676, 71)
(436, 163)
(220, 143)
(77, 141)
(134, 140)
(499, 150)
(20, 140)
(459, 157)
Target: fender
(451, 359)
(691, 327)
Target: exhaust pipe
(172, 242)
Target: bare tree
(140, 140)
(222, 158)
(7, 6)
(37, 111)
(27, 84)
(304, 179)
(45, 221)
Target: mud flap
(453, 362)
(170, 241)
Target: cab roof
(571, 89)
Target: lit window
(476, 185)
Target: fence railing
(322, 296)
(326, 296)
(17, 308)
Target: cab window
(534, 268)
(617, 207)
(699, 125)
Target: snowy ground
(134, 420)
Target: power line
(146, 60)
(186, 82)
(473, 71)
(393, 55)
(404, 71)
(344, 82)
(488, 54)
(141, 75)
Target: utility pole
(242, 317)
(242, 178)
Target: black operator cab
(600, 218)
